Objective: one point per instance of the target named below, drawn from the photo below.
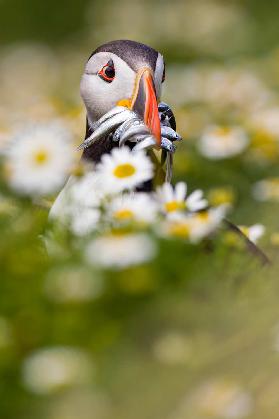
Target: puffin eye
(164, 75)
(107, 73)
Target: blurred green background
(83, 23)
(195, 333)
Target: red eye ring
(107, 73)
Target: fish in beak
(144, 102)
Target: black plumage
(133, 53)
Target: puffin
(124, 73)
(125, 76)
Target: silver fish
(124, 127)
(132, 133)
(149, 141)
(167, 145)
(169, 133)
(106, 127)
(116, 110)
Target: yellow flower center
(40, 157)
(265, 144)
(124, 170)
(172, 206)
(223, 131)
(203, 216)
(123, 214)
(179, 230)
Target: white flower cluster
(106, 201)
(107, 197)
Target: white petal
(256, 232)
(168, 192)
(195, 201)
(180, 191)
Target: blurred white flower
(217, 398)
(87, 191)
(84, 221)
(217, 87)
(72, 284)
(195, 227)
(48, 370)
(235, 87)
(124, 169)
(206, 222)
(223, 399)
(138, 207)
(177, 226)
(266, 190)
(39, 159)
(266, 120)
(173, 199)
(120, 250)
(78, 203)
(254, 232)
(84, 192)
(222, 142)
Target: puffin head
(125, 73)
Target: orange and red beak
(144, 102)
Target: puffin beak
(144, 102)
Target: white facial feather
(159, 69)
(98, 95)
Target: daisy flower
(194, 227)
(222, 142)
(120, 250)
(84, 221)
(266, 190)
(267, 121)
(176, 227)
(254, 232)
(84, 192)
(138, 207)
(206, 222)
(39, 159)
(87, 191)
(78, 204)
(124, 169)
(173, 199)
(47, 370)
